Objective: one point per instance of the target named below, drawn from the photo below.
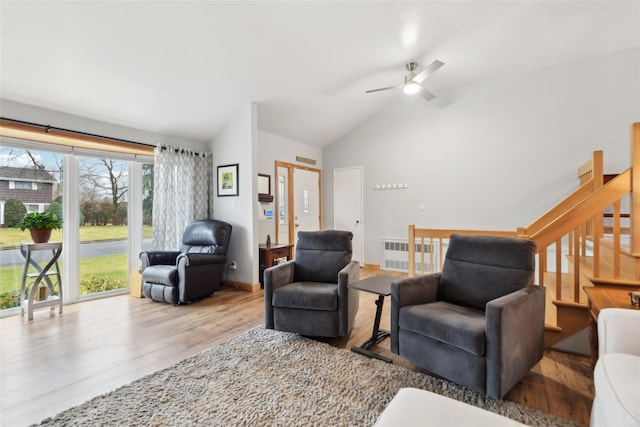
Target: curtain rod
(181, 150)
(48, 128)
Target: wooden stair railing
(573, 228)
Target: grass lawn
(109, 267)
(12, 237)
(96, 274)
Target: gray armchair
(479, 323)
(309, 295)
(192, 273)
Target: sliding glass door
(104, 199)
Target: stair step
(599, 281)
(552, 328)
(569, 304)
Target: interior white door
(347, 206)
(306, 201)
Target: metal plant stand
(45, 273)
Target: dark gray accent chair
(478, 323)
(309, 295)
(192, 273)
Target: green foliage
(100, 284)
(40, 220)
(56, 208)
(14, 210)
(147, 194)
(9, 300)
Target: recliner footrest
(159, 292)
(162, 274)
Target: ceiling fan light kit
(411, 88)
(413, 82)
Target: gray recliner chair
(192, 273)
(310, 295)
(478, 323)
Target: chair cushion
(320, 255)
(478, 269)
(163, 274)
(455, 325)
(207, 236)
(307, 295)
(416, 407)
(616, 380)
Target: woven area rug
(264, 377)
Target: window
(23, 185)
(98, 184)
(27, 162)
(282, 211)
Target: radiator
(395, 255)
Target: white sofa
(415, 407)
(616, 375)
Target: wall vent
(395, 255)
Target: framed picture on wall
(228, 180)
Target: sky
(18, 157)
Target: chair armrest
(618, 331)
(415, 290)
(278, 275)
(275, 277)
(200, 259)
(348, 298)
(410, 291)
(514, 337)
(349, 274)
(158, 258)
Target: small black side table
(380, 285)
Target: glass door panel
(103, 260)
(147, 206)
(30, 181)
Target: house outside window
(32, 186)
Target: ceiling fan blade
(432, 68)
(426, 94)
(384, 88)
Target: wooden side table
(600, 297)
(270, 253)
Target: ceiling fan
(413, 81)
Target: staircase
(584, 240)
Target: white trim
(32, 145)
(134, 215)
(71, 235)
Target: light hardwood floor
(55, 362)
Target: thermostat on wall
(268, 213)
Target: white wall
(237, 143)
(493, 155)
(42, 116)
(271, 148)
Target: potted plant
(40, 225)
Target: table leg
(377, 335)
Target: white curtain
(182, 193)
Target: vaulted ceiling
(184, 68)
